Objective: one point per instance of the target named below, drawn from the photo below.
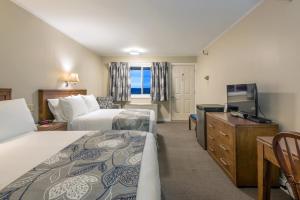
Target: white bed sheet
(102, 120)
(21, 154)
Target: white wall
(263, 48)
(33, 56)
(164, 108)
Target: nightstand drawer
(55, 126)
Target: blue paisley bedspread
(132, 119)
(98, 166)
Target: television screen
(243, 98)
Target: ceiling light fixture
(134, 51)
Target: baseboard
(164, 120)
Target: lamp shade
(73, 78)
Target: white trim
(140, 96)
(164, 119)
(140, 64)
(233, 25)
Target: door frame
(171, 84)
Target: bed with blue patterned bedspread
(96, 166)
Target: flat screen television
(243, 98)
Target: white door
(183, 91)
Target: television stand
(231, 142)
(259, 120)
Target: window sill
(141, 96)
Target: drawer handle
(211, 137)
(223, 162)
(211, 149)
(222, 133)
(210, 126)
(222, 147)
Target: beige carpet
(188, 173)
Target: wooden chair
(287, 151)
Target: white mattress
(102, 120)
(21, 154)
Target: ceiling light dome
(134, 51)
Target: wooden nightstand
(54, 126)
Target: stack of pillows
(68, 108)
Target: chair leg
(190, 124)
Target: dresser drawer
(225, 134)
(227, 165)
(226, 150)
(210, 128)
(211, 137)
(211, 124)
(212, 146)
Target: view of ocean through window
(140, 80)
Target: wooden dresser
(231, 142)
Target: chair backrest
(286, 147)
(105, 102)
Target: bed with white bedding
(117, 119)
(82, 112)
(74, 164)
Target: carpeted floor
(188, 173)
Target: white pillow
(73, 107)
(15, 119)
(91, 102)
(56, 110)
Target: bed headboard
(44, 112)
(5, 94)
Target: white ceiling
(161, 27)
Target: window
(140, 80)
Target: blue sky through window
(136, 83)
(140, 80)
(147, 80)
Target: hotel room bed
(107, 119)
(101, 119)
(74, 164)
(45, 144)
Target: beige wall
(33, 56)
(164, 108)
(263, 48)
